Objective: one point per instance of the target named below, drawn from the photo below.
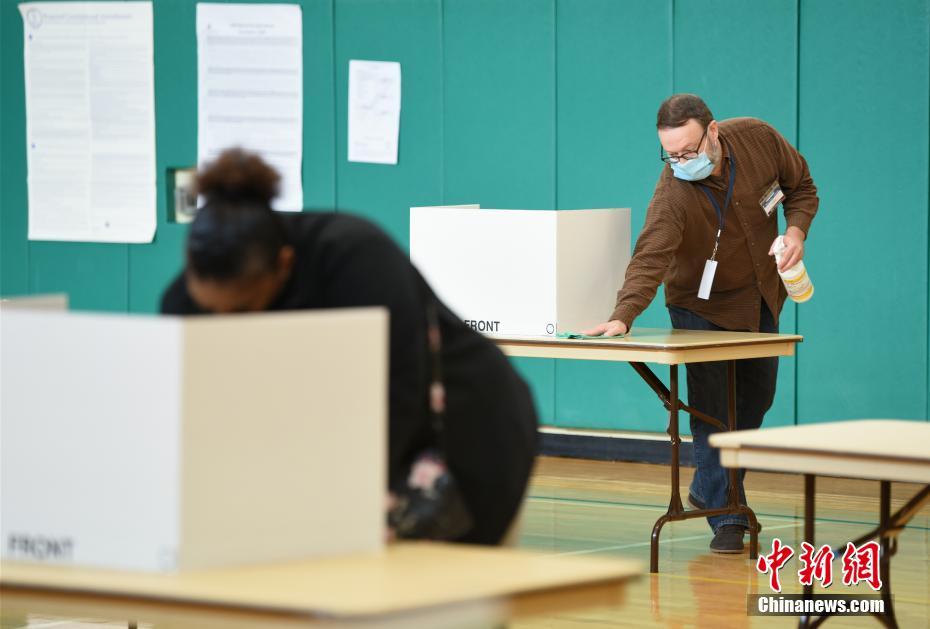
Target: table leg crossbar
(896, 522)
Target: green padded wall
(608, 157)
(499, 123)
(864, 128)
(550, 104)
(14, 248)
(408, 31)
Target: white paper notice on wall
(374, 111)
(90, 120)
(250, 88)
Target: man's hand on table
(611, 328)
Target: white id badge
(710, 267)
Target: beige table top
(654, 345)
(404, 578)
(880, 449)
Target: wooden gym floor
(607, 508)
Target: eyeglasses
(687, 155)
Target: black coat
(490, 426)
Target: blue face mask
(694, 169)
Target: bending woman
(243, 257)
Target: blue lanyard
(721, 214)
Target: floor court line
(663, 509)
(666, 540)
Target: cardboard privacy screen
(169, 443)
(523, 272)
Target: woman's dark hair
(678, 109)
(236, 232)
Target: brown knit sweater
(681, 223)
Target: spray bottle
(796, 281)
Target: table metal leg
(809, 487)
(675, 508)
(890, 525)
(676, 511)
(731, 426)
(884, 518)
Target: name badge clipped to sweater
(772, 197)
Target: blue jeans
(707, 392)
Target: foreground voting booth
(523, 272)
(229, 471)
(167, 443)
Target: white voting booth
(168, 443)
(523, 272)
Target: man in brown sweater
(708, 236)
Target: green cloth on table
(578, 335)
